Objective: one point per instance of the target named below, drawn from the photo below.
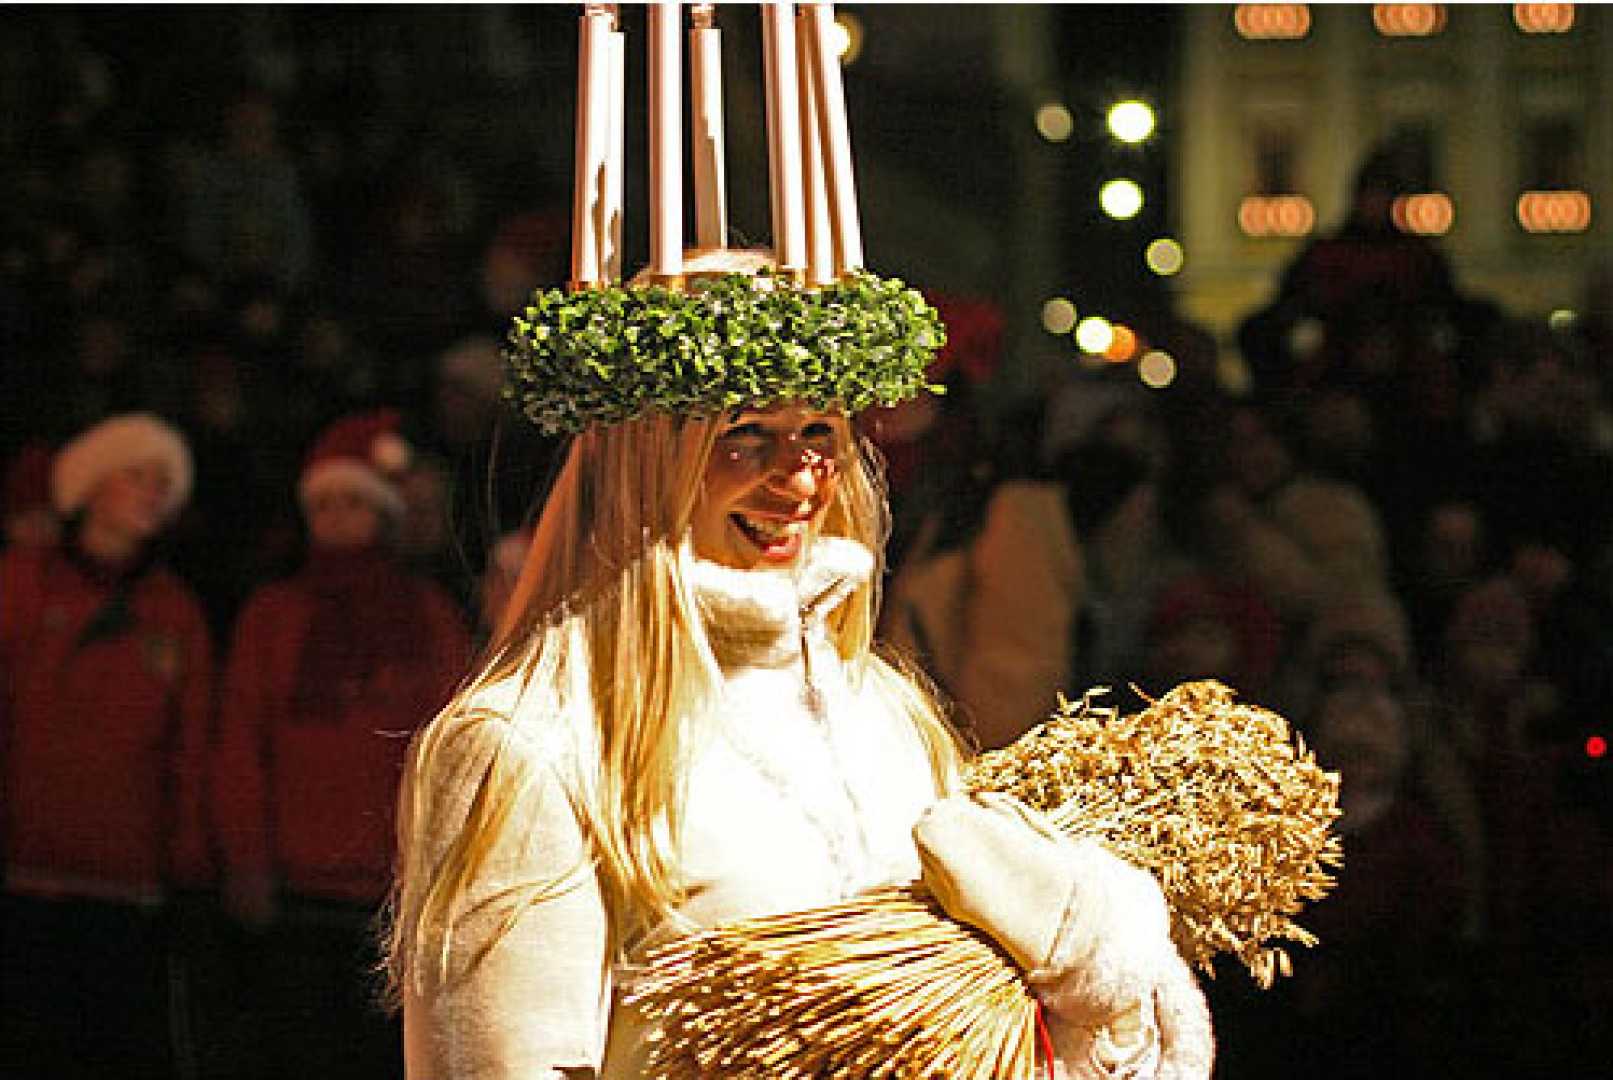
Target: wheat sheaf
(1216, 797)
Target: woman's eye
(741, 432)
(821, 436)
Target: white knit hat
(112, 444)
(362, 453)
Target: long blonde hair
(604, 638)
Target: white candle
(820, 241)
(710, 181)
(836, 136)
(610, 228)
(589, 148)
(784, 136)
(666, 127)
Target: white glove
(1090, 930)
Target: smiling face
(771, 476)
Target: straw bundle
(1210, 794)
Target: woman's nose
(797, 469)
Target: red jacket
(330, 673)
(103, 728)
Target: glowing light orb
(1131, 121)
(1054, 122)
(1094, 334)
(1058, 316)
(1165, 257)
(1156, 369)
(1121, 199)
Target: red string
(1046, 1038)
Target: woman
(330, 671)
(106, 691)
(680, 722)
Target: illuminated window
(1554, 211)
(1276, 215)
(1543, 18)
(1408, 20)
(1272, 22)
(1428, 213)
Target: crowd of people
(251, 411)
(1399, 537)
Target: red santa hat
(113, 444)
(362, 453)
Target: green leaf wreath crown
(601, 356)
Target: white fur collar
(754, 617)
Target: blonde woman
(681, 720)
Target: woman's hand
(1090, 930)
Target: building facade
(1505, 111)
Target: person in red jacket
(330, 672)
(106, 685)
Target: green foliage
(601, 356)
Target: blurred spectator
(427, 542)
(330, 673)
(1113, 502)
(413, 282)
(504, 562)
(30, 519)
(993, 617)
(931, 443)
(495, 470)
(1297, 537)
(245, 215)
(1358, 283)
(1381, 988)
(1539, 468)
(1204, 627)
(108, 677)
(527, 252)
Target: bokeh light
(1156, 369)
(1430, 213)
(1121, 199)
(1276, 215)
(1272, 22)
(1554, 211)
(1408, 20)
(1054, 122)
(1058, 316)
(1164, 257)
(1543, 18)
(1094, 334)
(1122, 344)
(846, 37)
(1131, 121)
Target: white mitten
(1090, 930)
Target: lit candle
(666, 128)
(710, 183)
(784, 136)
(590, 144)
(820, 241)
(610, 227)
(836, 136)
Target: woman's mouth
(777, 538)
